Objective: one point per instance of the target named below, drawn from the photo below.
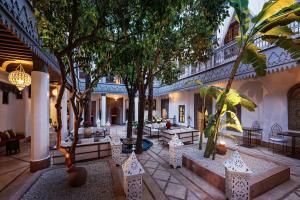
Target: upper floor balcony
(219, 66)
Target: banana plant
(271, 24)
(228, 117)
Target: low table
(12, 145)
(247, 133)
(293, 135)
(185, 134)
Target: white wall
(255, 7)
(16, 114)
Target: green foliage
(271, 25)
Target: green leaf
(251, 55)
(283, 31)
(270, 8)
(242, 12)
(290, 45)
(230, 120)
(284, 17)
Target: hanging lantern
(19, 78)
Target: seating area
(150, 100)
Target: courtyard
(105, 179)
(149, 99)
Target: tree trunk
(130, 114)
(140, 128)
(87, 105)
(150, 97)
(210, 146)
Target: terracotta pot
(77, 176)
(168, 125)
(88, 132)
(221, 149)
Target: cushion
(12, 133)
(7, 135)
(2, 136)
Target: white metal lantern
(116, 149)
(133, 178)
(19, 78)
(175, 152)
(237, 178)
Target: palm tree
(271, 25)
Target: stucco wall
(16, 114)
(269, 93)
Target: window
(5, 97)
(181, 113)
(232, 32)
(19, 95)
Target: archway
(293, 98)
(115, 115)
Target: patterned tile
(176, 190)
(152, 164)
(162, 184)
(162, 175)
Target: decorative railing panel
(18, 16)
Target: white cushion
(87, 140)
(278, 139)
(80, 130)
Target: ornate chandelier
(19, 78)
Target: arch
(293, 99)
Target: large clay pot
(77, 176)
(168, 124)
(88, 132)
(221, 149)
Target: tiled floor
(161, 181)
(11, 167)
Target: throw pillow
(12, 133)
(7, 135)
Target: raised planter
(263, 179)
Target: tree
(182, 31)
(271, 25)
(69, 35)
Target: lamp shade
(19, 78)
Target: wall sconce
(55, 92)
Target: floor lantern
(175, 152)
(116, 149)
(133, 178)
(237, 178)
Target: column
(124, 111)
(27, 112)
(71, 117)
(39, 157)
(103, 109)
(136, 108)
(97, 108)
(64, 116)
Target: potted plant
(88, 130)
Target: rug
(53, 184)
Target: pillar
(136, 108)
(71, 117)
(124, 111)
(103, 109)
(97, 108)
(27, 112)
(39, 157)
(64, 116)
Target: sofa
(9, 134)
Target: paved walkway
(160, 180)
(13, 166)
